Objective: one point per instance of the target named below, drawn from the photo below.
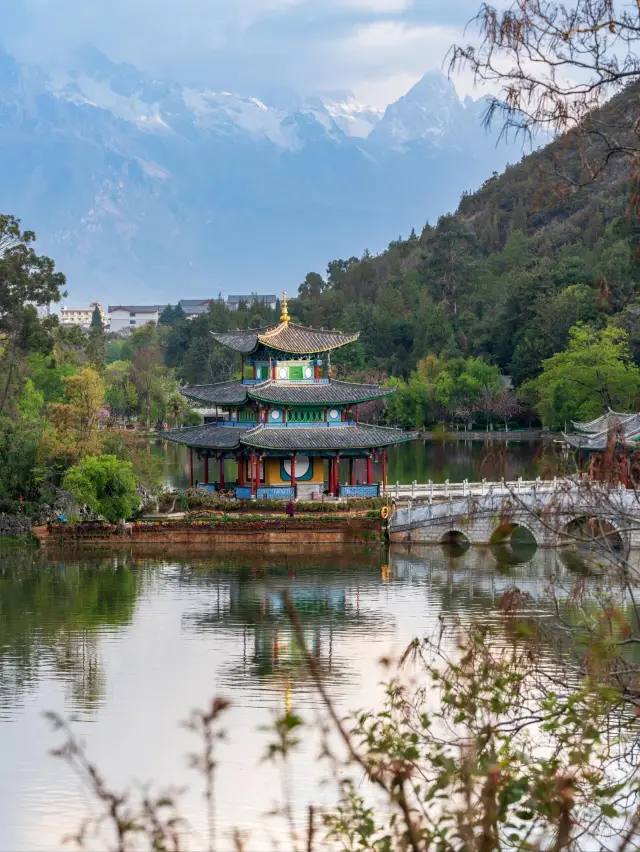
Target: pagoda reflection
(329, 611)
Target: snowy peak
(428, 111)
(427, 114)
(353, 118)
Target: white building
(130, 317)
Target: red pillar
(241, 464)
(369, 470)
(316, 372)
(206, 470)
(334, 478)
(352, 471)
(190, 468)
(221, 467)
(293, 473)
(356, 415)
(384, 469)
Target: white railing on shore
(445, 490)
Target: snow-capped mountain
(135, 184)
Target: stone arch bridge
(607, 515)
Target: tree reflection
(51, 614)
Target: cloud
(376, 48)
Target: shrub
(105, 484)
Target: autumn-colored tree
(74, 432)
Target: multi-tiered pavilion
(286, 422)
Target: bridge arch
(456, 540)
(588, 529)
(514, 531)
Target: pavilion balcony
(350, 491)
(287, 381)
(266, 492)
(301, 424)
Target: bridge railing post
(413, 489)
(430, 490)
(446, 488)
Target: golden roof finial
(284, 316)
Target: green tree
(96, 318)
(120, 391)
(27, 281)
(106, 484)
(593, 374)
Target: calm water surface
(419, 460)
(130, 642)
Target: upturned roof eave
(381, 393)
(394, 436)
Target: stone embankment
(15, 526)
(230, 532)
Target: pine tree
(96, 318)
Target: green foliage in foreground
(106, 484)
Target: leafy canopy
(106, 484)
(594, 373)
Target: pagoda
(286, 422)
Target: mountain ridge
(134, 183)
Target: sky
(377, 49)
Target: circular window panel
(275, 414)
(334, 414)
(282, 373)
(308, 372)
(302, 466)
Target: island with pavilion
(286, 422)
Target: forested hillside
(522, 261)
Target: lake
(417, 460)
(129, 643)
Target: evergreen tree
(96, 319)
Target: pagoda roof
(221, 393)
(210, 436)
(285, 337)
(620, 428)
(325, 437)
(609, 420)
(328, 393)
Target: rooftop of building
(329, 392)
(619, 427)
(286, 438)
(252, 297)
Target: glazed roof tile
(209, 436)
(327, 437)
(317, 394)
(222, 393)
(285, 337)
